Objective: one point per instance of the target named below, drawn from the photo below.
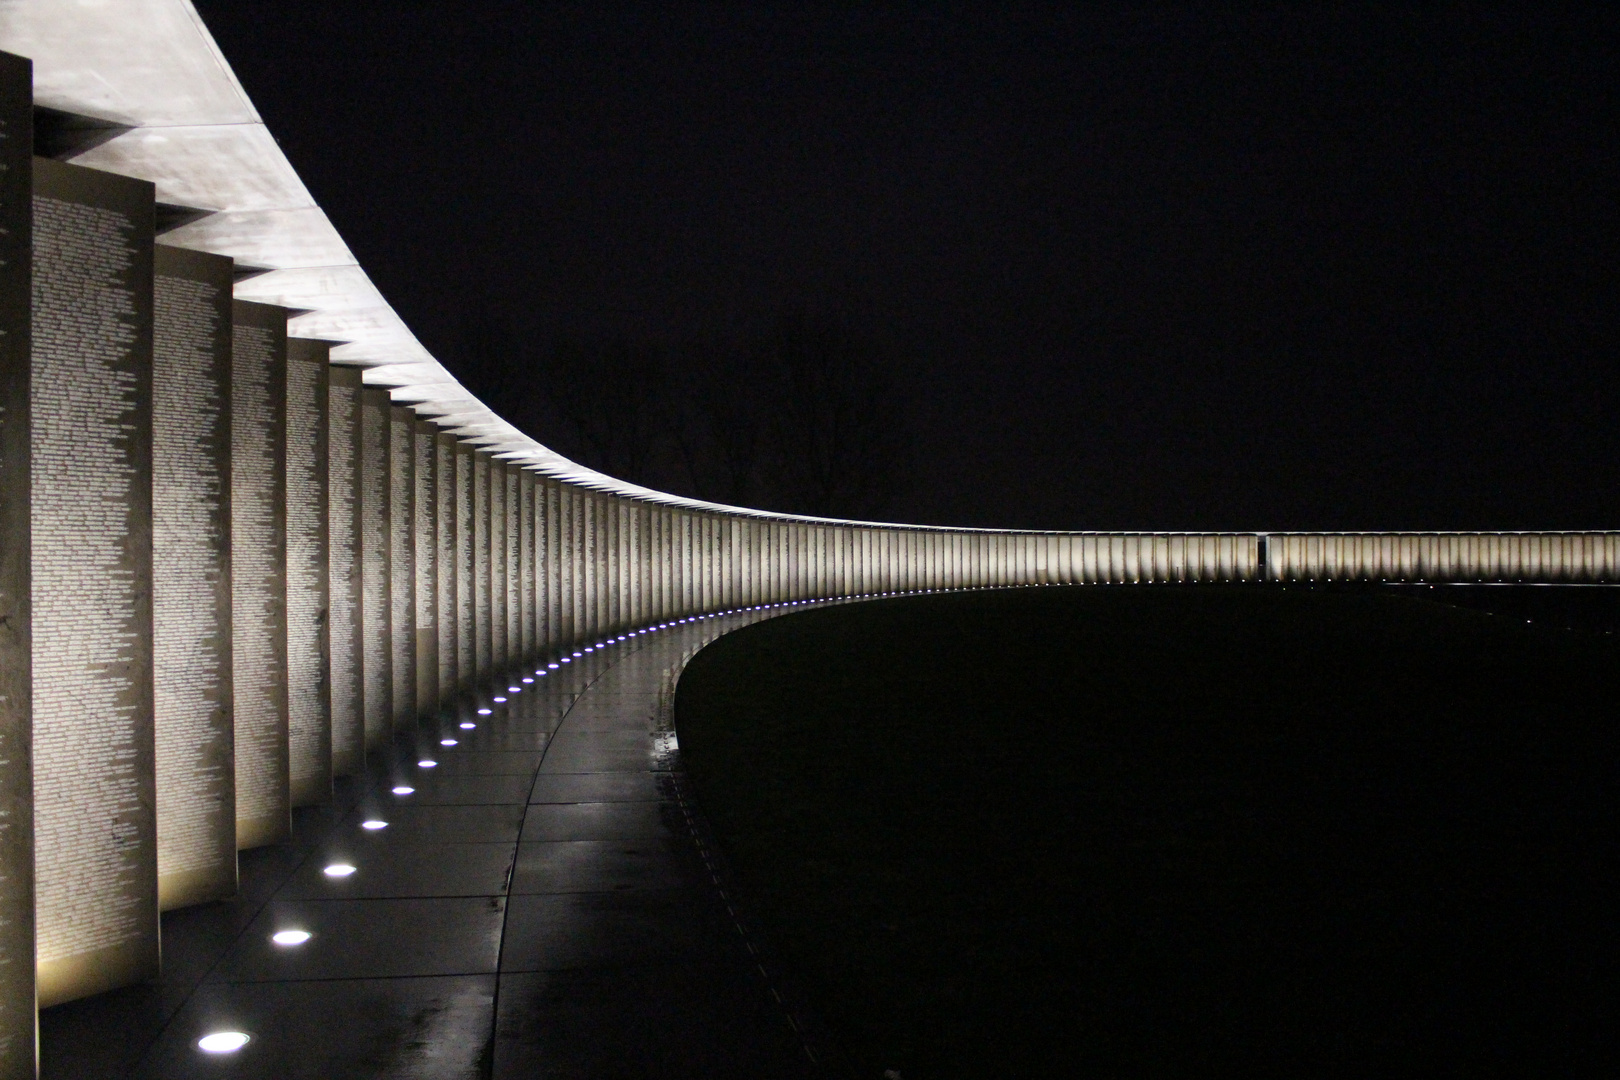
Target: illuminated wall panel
(191, 577)
(345, 641)
(482, 571)
(17, 1050)
(402, 561)
(309, 701)
(91, 568)
(376, 554)
(259, 572)
(444, 531)
(465, 564)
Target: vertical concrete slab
(95, 829)
(309, 683)
(483, 572)
(18, 1049)
(498, 615)
(402, 560)
(511, 554)
(552, 520)
(444, 533)
(425, 538)
(528, 556)
(376, 557)
(259, 572)
(191, 577)
(466, 566)
(572, 566)
(345, 630)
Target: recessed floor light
(514, 689)
(484, 712)
(338, 870)
(403, 790)
(426, 763)
(566, 660)
(528, 680)
(447, 742)
(222, 1042)
(467, 725)
(499, 700)
(373, 824)
(552, 667)
(290, 937)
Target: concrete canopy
(151, 75)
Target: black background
(1217, 267)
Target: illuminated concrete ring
(179, 320)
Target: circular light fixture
(484, 712)
(222, 1042)
(426, 763)
(467, 725)
(514, 689)
(566, 660)
(290, 937)
(552, 667)
(527, 680)
(373, 824)
(338, 870)
(499, 700)
(447, 742)
(403, 790)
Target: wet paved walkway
(534, 903)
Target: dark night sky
(1147, 268)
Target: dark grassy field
(1198, 831)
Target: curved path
(542, 880)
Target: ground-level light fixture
(467, 725)
(447, 742)
(426, 763)
(338, 870)
(289, 938)
(373, 824)
(223, 1042)
(403, 790)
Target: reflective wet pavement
(536, 905)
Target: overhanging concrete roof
(151, 66)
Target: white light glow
(290, 937)
(222, 1042)
(447, 742)
(426, 763)
(467, 725)
(484, 712)
(403, 790)
(566, 660)
(499, 700)
(373, 824)
(514, 689)
(527, 680)
(340, 869)
(552, 667)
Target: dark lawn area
(1176, 831)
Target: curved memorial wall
(241, 547)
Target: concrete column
(512, 550)
(309, 684)
(466, 571)
(191, 577)
(91, 581)
(445, 606)
(530, 561)
(402, 560)
(551, 519)
(483, 572)
(259, 573)
(499, 597)
(18, 1051)
(424, 537)
(345, 640)
(376, 605)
